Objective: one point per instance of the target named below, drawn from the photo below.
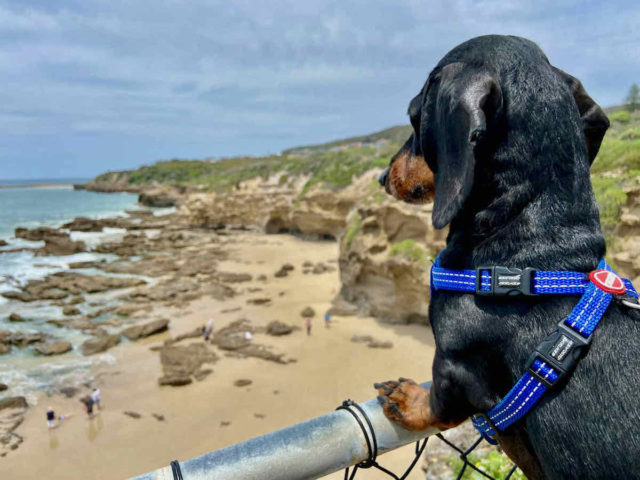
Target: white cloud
(192, 71)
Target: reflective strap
(547, 282)
(544, 282)
(522, 397)
(583, 319)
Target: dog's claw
(383, 388)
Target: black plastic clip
(507, 281)
(561, 350)
(629, 301)
(487, 428)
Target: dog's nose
(382, 179)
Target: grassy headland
(334, 165)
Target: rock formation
(53, 348)
(140, 331)
(626, 255)
(181, 362)
(99, 344)
(384, 261)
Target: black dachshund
(510, 139)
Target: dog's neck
(545, 219)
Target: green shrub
(631, 133)
(495, 464)
(353, 229)
(410, 249)
(622, 116)
(613, 154)
(331, 169)
(610, 198)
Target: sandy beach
(213, 413)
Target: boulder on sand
(231, 277)
(174, 380)
(181, 362)
(308, 312)
(13, 402)
(139, 331)
(281, 273)
(277, 328)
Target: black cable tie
(175, 469)
(372, 445)
(370, 438)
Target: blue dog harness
(558, 354)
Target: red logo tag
(607, 281)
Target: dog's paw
(405, 403)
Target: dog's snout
(382, 179)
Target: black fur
(514, 159)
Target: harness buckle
(506, 281)
(561, 350)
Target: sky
(94, 85)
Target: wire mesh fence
(459, 453)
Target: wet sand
(329, 369)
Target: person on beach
(308, 325)
(95, 396)
(208, 329)
(327, 320)
(88, 403)
(51, 417)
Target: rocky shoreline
(163, 262)
(386, 247)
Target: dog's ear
(467, 101)
(594, 120)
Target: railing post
(308, 450)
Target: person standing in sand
(51, 417)
(88, 403)
(327, 320)
(307, 322)
(208, 330)
(95, 396)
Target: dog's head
(478, 94)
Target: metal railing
(308, 450)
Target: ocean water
(26, 373)
(29, 207)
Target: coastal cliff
(330, 191)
